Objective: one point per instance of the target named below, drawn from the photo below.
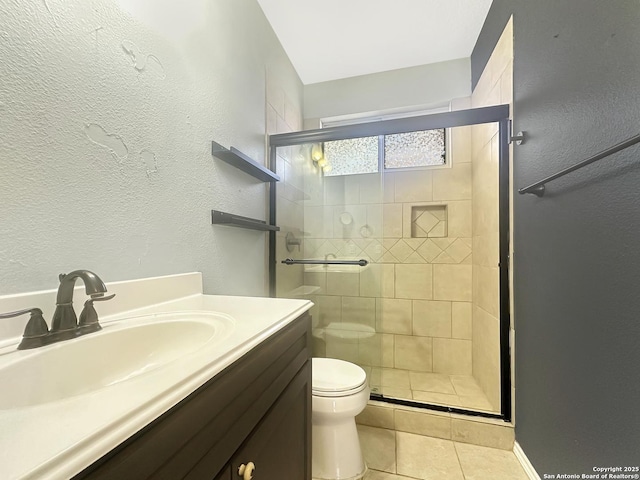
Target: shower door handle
(290, 261)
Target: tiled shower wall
(412, 304)
(494, 87)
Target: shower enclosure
(397, 230)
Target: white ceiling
(332, 39)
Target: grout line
(413, 326)
(458, 457)
(395, 439)
(401, 477)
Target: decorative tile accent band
(451, 250)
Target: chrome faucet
(64, 324)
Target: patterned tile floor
(426, 458)
(451, 390)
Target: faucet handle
(36, 331)
(88, 321)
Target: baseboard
(524, 461)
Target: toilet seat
(336, 378)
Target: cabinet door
(280, 446)
(224, 475)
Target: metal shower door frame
(495, 114)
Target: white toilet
(340, 392)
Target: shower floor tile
(449, 390)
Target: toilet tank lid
(333, 375)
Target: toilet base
(336, 452)
(358, 477)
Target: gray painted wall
(426, 85)
(107, 110)
(577, 261)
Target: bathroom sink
(122, 350)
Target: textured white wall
(107, 110)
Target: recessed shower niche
(428, 221)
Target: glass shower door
(332, 222)
(425, 202)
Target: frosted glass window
(352, 156)
(415, 149)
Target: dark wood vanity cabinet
(225, 475)
(256, 410)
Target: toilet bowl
(340, 391)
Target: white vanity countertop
(59, 439)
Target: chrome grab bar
(290, 261)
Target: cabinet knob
(246, 471)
